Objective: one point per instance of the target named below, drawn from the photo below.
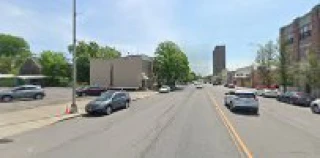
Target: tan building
(131, 72)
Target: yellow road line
(232, 137)
(230, 127)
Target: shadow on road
(94, 115)
(246, 113)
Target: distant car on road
(164, 89)
(108, 102)
(297, 98)
(315, 106)
(90, 91)
(26, 91)
(199, 85)
(242, 99)
(231, 85)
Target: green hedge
(7, 82)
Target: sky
(138, 26)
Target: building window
(305, 31)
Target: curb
(68, 117)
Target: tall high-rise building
(219, 59)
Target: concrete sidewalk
(20, 121)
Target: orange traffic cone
(67, 110)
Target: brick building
(300, 37)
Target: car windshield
(245, 95)
(105, 96)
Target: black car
(90, 91)
(297, 98)
(108, 102)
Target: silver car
(242, 99)
(26, 91)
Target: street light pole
(74, 108)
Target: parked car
(108, 102)
(26, 91)
(231, 86)
(90, 90)
(284, 97)
(242, 99)
(259, 92)
(297, 98)
(270, 93)
(315, 106)
(225, 85)
(164, 89)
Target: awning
(7, 76)
(31, 77)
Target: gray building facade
(219, 59)
(131, 72)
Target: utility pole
(74, 108)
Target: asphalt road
(191, 123)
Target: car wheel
(231, 107)
(127, 105)
(7, 98)
(289, 101)
(256, 111)
(108, 110)
(38, 96)
(315, 109)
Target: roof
(31, 77)
(30, 86)
(6, 76)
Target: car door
(287, 96)
(92, 91)
(19, 92)
(116, 101)
(29, 92)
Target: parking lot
(54, 96)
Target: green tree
(171, 64)
(87, 50)
(313, 70)
(285, 68)
(54, 65)
(13, 52)
(266, 58)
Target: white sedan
(315, 106)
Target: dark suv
(26, 91)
